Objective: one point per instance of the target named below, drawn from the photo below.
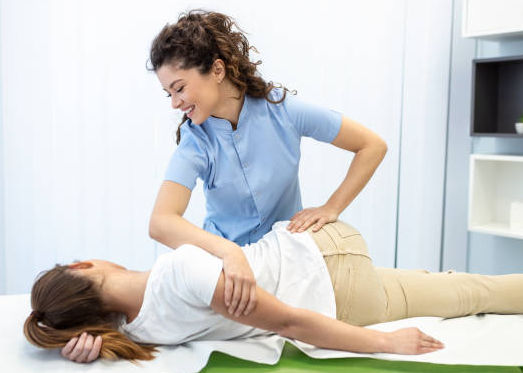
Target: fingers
(66, 350)
(236, 295)
(88, 346)
(295, 220)
(428, 340)
(320, 223)
(252, 301)
(428, 344)
(83, 349)
(303, 222)
(95, 352)
(240, 284)
(228, 290)
(244, 299)
(78, 348)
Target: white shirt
(176, 306)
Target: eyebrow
(171, 85)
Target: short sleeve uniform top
(250, 175)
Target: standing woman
(241, 136)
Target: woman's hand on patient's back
(240, 284)
(411, 341)
(83, 349)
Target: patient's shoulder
(197, 272)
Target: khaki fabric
(366, 294)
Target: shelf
(489, 19)
(496, 181)
(497, 96)
(497, 229)
(495, 134)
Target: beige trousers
(367, 295)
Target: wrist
(384, 342)
(331, 206)
(224, 248)
(231, 248)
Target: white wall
(423, 134)
(88, 133)
(2, 224)
(455, 234)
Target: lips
(188, 109)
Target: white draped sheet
(473, 340)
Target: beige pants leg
(415, 293)
(367, 295)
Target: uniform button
(245, 165)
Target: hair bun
(37, 315)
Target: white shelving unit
(495, 182)
(492, 18)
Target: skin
(213, 94)
(86, 348)
(123, 291)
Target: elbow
(153, 231)
(382, 148)
(163, 228)
(285, 331)
(155, 227)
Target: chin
(197, 121)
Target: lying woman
(316, 287)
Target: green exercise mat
(294, 361)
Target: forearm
(307, 326)
(325, 332)
(173, 231)
(361, 169)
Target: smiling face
(196, 94)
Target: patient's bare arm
(319, 330)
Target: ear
(80, 265)
(218, 69)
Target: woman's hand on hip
(240, 284)
(411, 341)
(316, 217)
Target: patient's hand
(411, 341)
(83, 349)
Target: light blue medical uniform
(250, 175)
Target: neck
(123, 291)
(230, 106)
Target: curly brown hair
(198, 39)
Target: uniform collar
(224, 125)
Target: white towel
(472, 340)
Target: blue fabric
(250, 175)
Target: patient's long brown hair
(66, 305)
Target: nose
(176, 103)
